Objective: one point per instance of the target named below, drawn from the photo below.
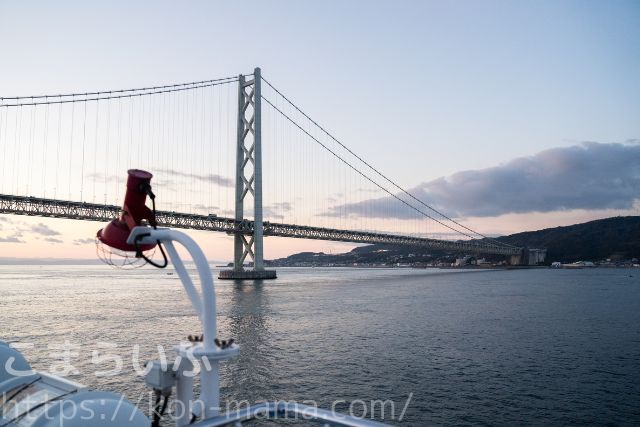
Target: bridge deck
(33, 206)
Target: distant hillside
(616, 238)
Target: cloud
(276, 211)
(160, 179)
(283, 206)
(368, 190)
(207, 208)
(100, 177)
(11, 239)
(5, 221)
(587, 176)
(88, 240)
(19, 229)
(43, 230)
(210, 178)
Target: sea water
(409, 347)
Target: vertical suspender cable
(16, 146)
(163, 139)
(95, 151)
(57, 168)
(194, 149)
(173, 147)
(151, 147)
(84, 139)
(141, 140)
(204, 155)
(106, 150)
(119, 143)
(30, 149)
(128, 154)
(219, 146)
(3, 140)
(70, 166)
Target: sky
(511, 116)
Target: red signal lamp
(134, 213)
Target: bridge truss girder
(32, 206)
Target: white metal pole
(211, 390)
(193, 294)
(184, 393)
(208, 298)
(210, 380)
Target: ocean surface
(558, 347)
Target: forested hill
(616, 237)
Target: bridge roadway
(33, 206)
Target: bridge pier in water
(249, 180)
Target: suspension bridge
(232, 155)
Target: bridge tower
(248, 237)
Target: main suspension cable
(141, 89)
(360, 172)
(381, 174)
(93, 96)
